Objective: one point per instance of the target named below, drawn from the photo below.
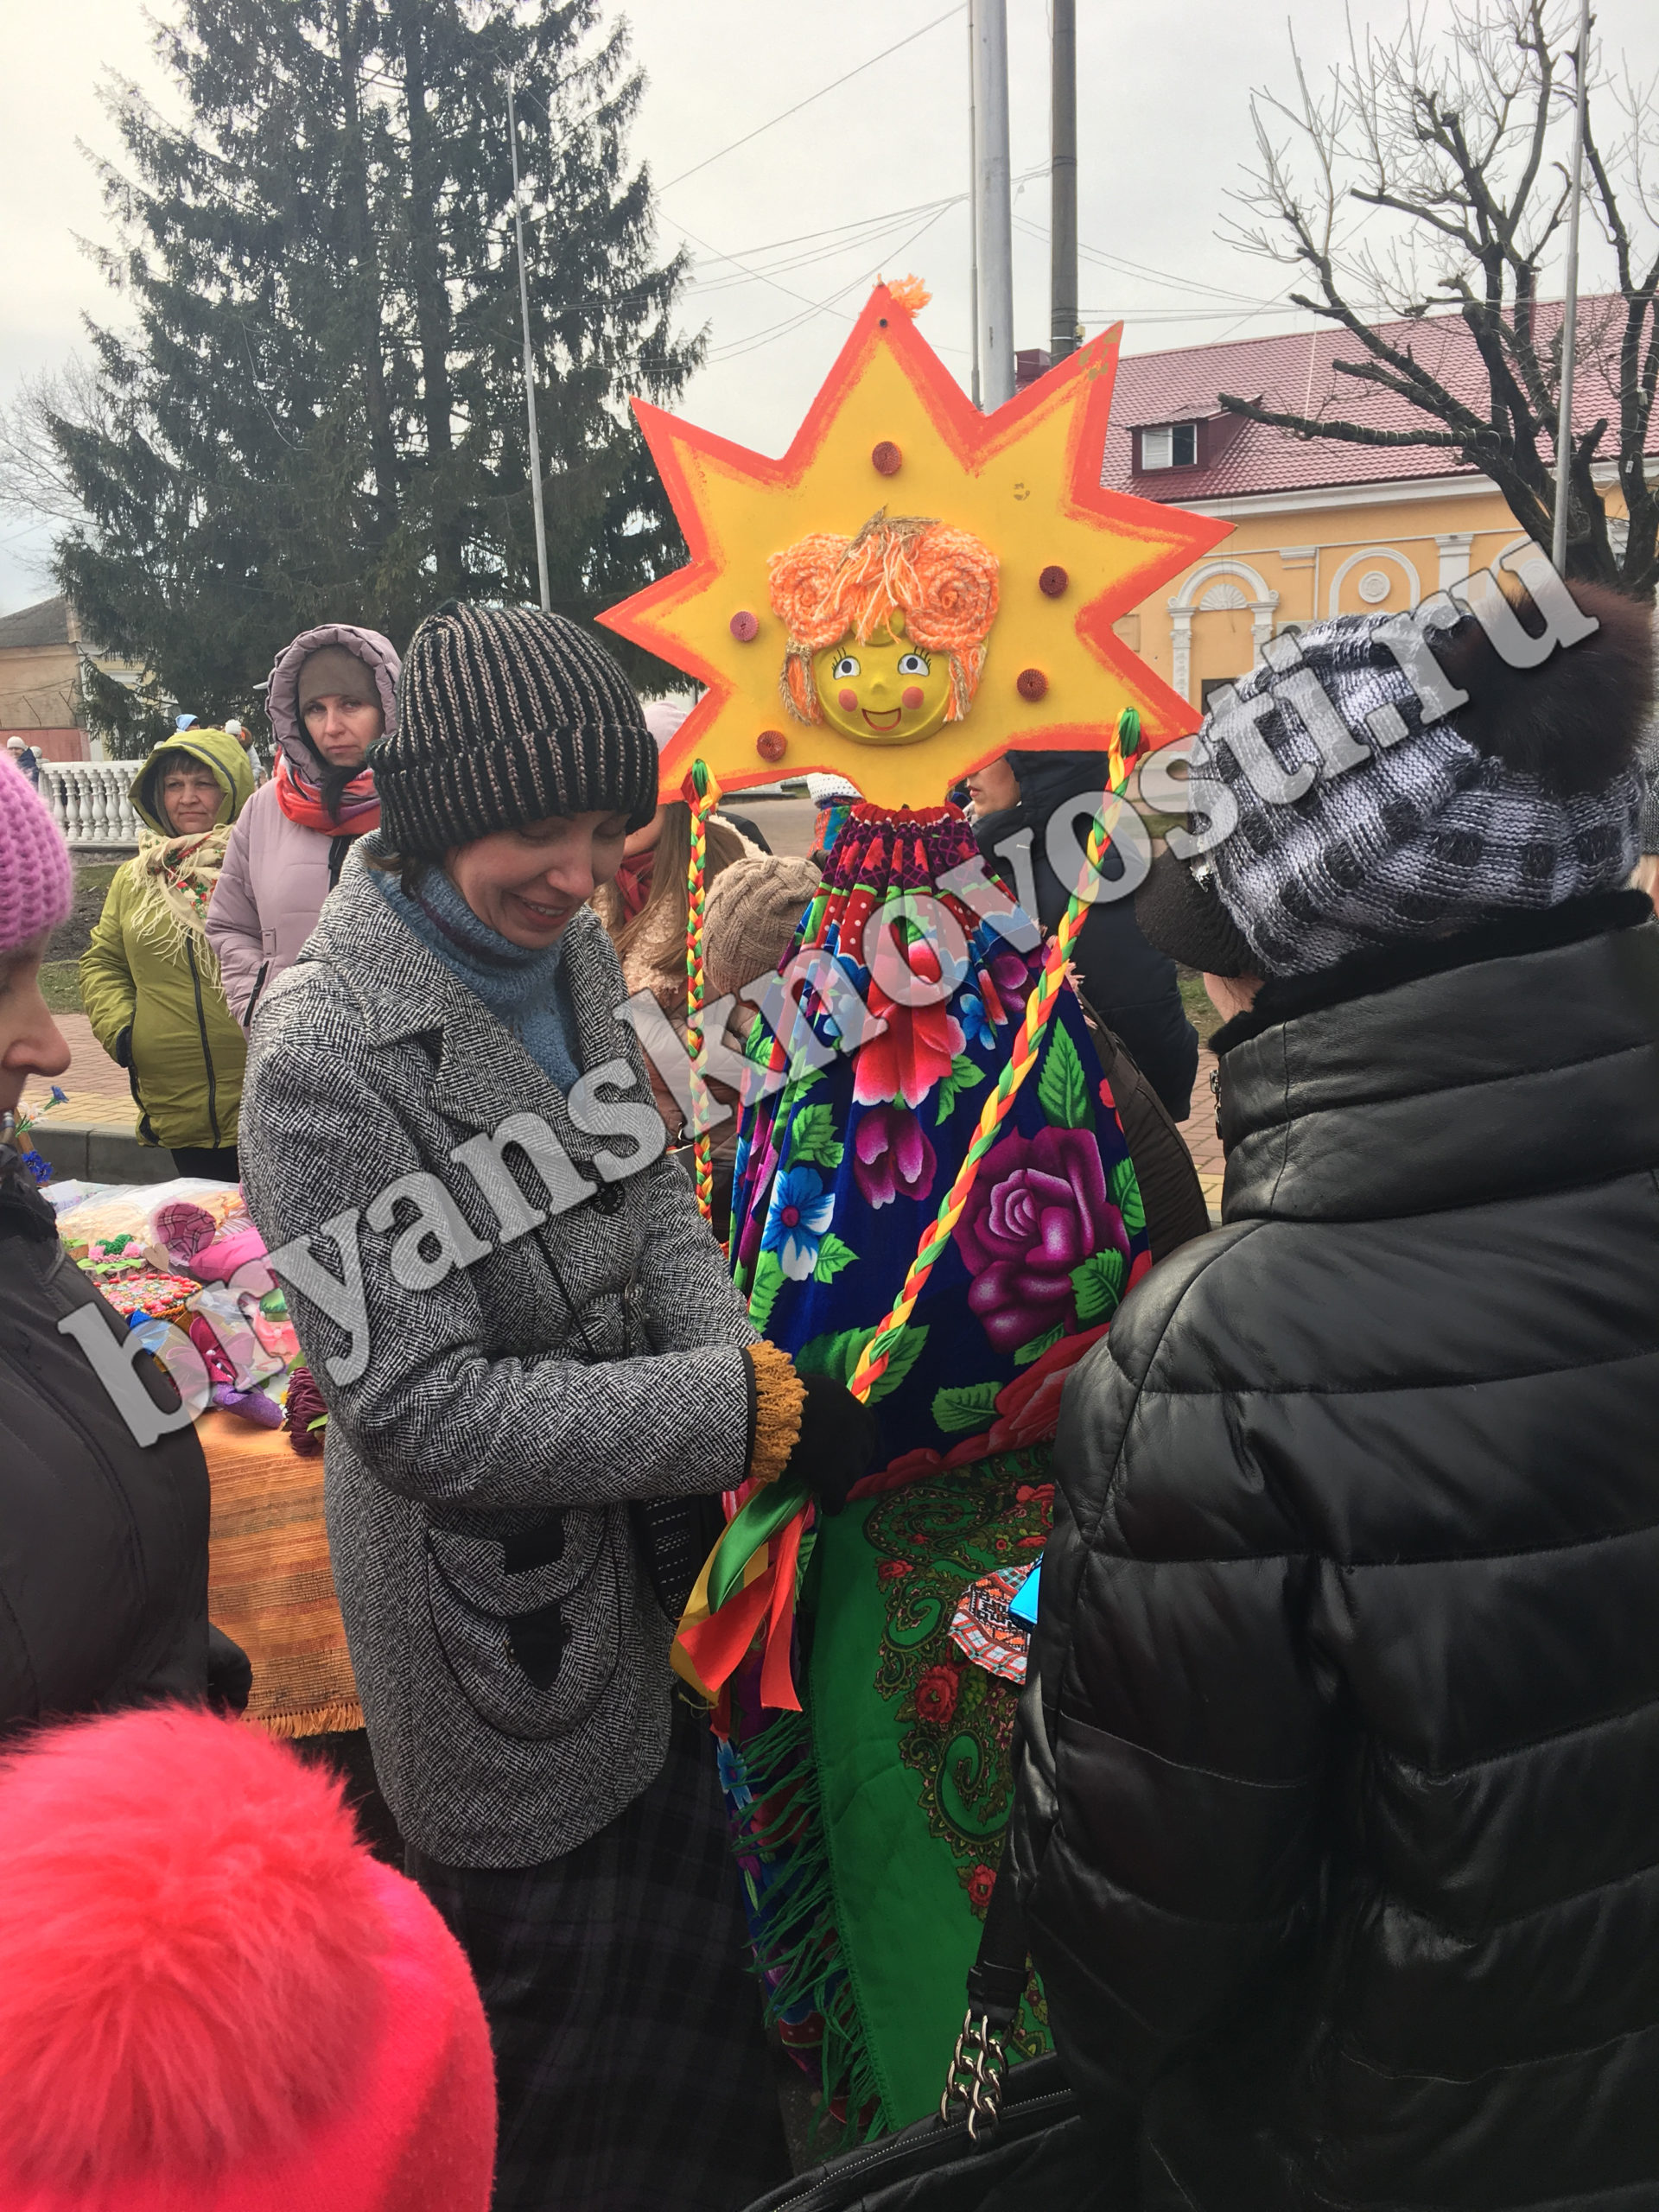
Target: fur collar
(1281, 998)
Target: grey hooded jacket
(531, 1349)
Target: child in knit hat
(215, 1999)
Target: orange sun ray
(891, 428)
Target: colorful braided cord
(704, 798)
(872, 1360)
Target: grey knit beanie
(1647, 767)
(507, 717)
(1364, 817)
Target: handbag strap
(997, 1980)
(996, 1983)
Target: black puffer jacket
(1135, 989)
(1338, 1814)
(102, 1545)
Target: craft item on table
(267, 1317)
(165, 1296)
(227, 1391)
(933, 1198)
(983, 1627)
(211, 1240)
(184, 1364)
(307, 1413)
(220, 1309)
(236, 1256)
(68, 1192)
(129, 1209)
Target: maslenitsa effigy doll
(934, 1200)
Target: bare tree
(34, 477)
(1455, 143)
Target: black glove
(123, 1052)
(837, 1444)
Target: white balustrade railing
(92, 800)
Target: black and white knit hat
(1374, 790)
(505, 716)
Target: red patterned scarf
(301, 801)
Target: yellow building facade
(1296, 557)
(1321, 526)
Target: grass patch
(60, 986)
(71, 939)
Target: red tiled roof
(1294, 374)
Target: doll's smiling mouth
(890, 720)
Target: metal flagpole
(1570, 306)
(973, 195)
(1062, 185)
(529, 361)
(995, 204)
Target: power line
(720, 152)
(756, 339)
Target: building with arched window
(1321, 526)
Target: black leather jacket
(102, 1545)
(1337, 1823)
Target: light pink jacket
(270, 890)
(277, 873)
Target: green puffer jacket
(149, 980)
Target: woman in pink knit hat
(104, 1565)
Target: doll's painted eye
(912, 664)
(846, 667)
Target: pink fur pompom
(191, 1936)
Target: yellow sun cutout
(914, 588)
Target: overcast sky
(1164, 133)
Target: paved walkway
(96, 1090)
(1199, 1131)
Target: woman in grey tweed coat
(539, 1377)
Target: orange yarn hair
(942, 581)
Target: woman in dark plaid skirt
(539, 1379)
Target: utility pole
(1570, 306)
(996, 204)
(529, 359)
(973, 200)
(1063, 185)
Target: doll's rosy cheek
(912, 695)
(846, 697)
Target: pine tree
(320, 413)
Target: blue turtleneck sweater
(527, 991)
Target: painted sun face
(886, 691)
